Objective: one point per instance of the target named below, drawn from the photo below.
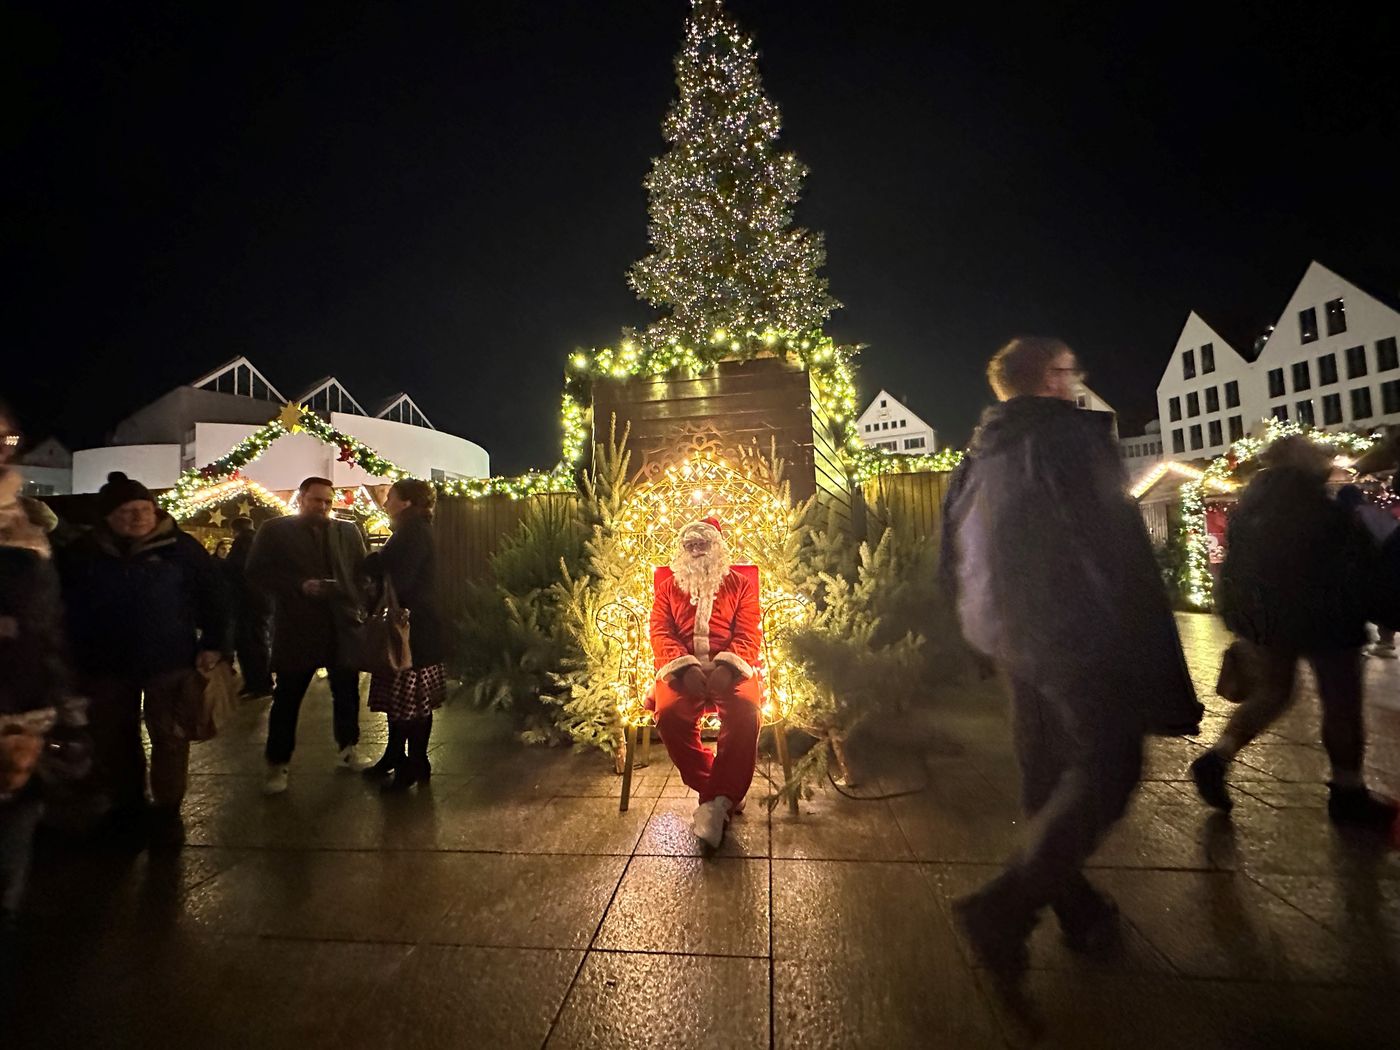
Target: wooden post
(780, 737)
(838, 747)
(631, 746)
(646, 745)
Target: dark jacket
(409, 559)
(32, 670)
(1052, 569)
(247, 599)
(143, 608)
(309, 632)
(1297, 566)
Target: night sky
(444, 198)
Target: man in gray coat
(1055, 581)
(311, 566)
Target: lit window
(1307, 325)
(1336, 316)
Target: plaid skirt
(410, 694)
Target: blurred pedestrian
(33, 685)
(1384, 529)
(409, 697)
(1054, 579)
(311, 566)
(145, 607)
(1297, 585)
(252, 613)
(221, 549)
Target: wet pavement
(510, 905)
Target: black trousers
(1080, 762)
(253, 646)
(286, 707)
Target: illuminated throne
(757, 517)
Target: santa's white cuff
(680, 663)
(735, 661)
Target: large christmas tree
(726, 257)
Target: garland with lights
(1198, 584)
(196, 488)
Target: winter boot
(393, 752)
(996, 929)
(1358, 808)
(1208, 772)
(1088, 918)
(414, 769)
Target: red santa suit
(722, 630)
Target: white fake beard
(700, 577)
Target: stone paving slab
(510, 904)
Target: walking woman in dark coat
(409, 697)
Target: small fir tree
(726, 257)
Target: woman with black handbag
(408, 565)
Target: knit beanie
(118, 490)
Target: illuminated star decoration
(216, 517)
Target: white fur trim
(703, 610)
(680, 663)
(735, 661)
(698, 524)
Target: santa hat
(703, 523)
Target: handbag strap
(389, 602)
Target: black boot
(415, 767)
(1088, 918)
(1208, 772)
(393, 753)
(996, 925)
(1358, 808)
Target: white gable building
(1207, 398)
(889, 424)
(1330, 361)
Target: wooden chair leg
(784, 756)
(646, 744)
(631, 746)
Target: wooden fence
(469, 531)
(912, 503)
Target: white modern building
(1143, 452)
(47, 469)
(888, 423)
(197, 424)
(1330, 360)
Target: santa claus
(706, 640)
